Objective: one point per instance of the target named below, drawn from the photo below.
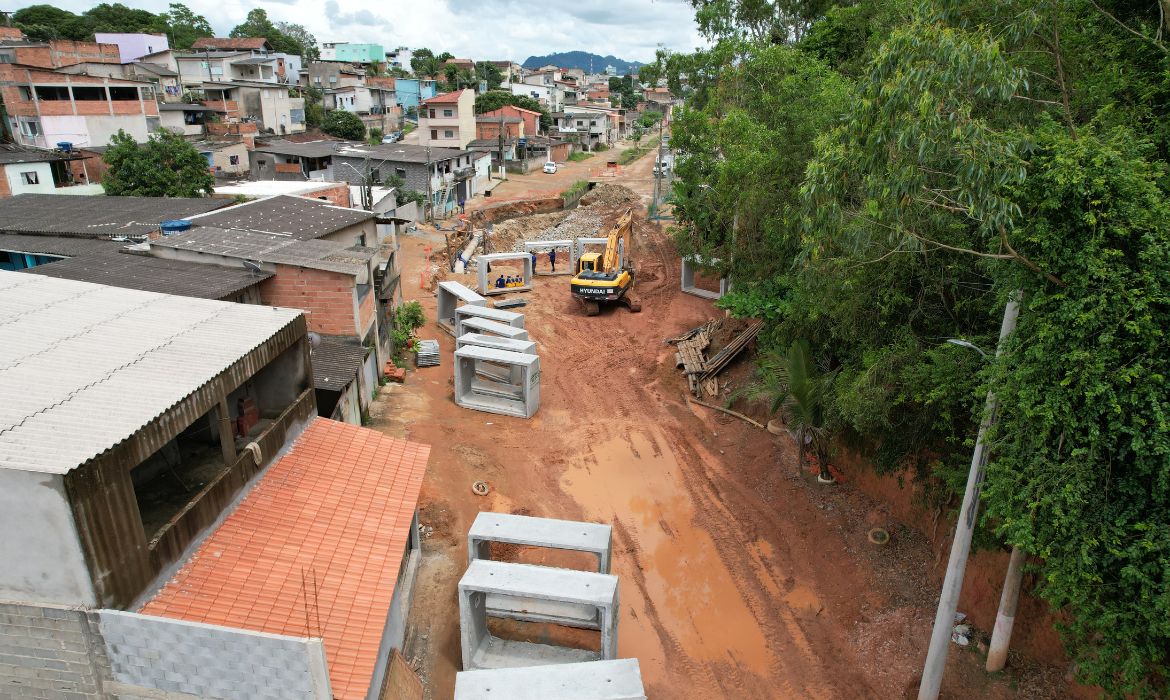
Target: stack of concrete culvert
(502, 668)
(496, 366)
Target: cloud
(477, 29)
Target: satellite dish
(314, 339)
(252, 266)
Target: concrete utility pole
(944, 619)
(1005, 619)
(430, 204)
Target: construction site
(735, 573)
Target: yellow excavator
(609, 276)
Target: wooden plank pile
(702, 373)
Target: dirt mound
(511, 234)
(613, 195)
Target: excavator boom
(618, 243)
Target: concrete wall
(58, 653)
(14, 174)
(212, 661)
(40, 546)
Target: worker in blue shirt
(552, 259)
(500, 282)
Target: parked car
(392, 137)
(550, 167)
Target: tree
(308, 43)
(494, 99)
(116, 17)
(375, 136)
(489, 72)
(257, 24)
(44, 22)
(165, 166)
(650, 119)
(184, 26)
(344, 125)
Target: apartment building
(448, 120)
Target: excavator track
(631, 303)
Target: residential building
(25, 170)
(197, 68)
(98, 217)
(124, 525)
(246, 44)
(225, 157)
(461, 63)
(329, 75)
(400, 58)
(165, 80)
(345, 52)
(412, 91)
(187, 119)
(592, 125)
(448, 120)
(374, 104)
(530, 117)
(277, 159)
(447, 175)
(549, 96)
(132, 47)
(267, 104)
(575, 75)
(510, 70)
(16, 49)
(490, 127)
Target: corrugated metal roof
(336, 363)
(85, 366)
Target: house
(125, 524)
(133, 46)
(16, 49)
(374, 104)
(195, 69)
(448, 120)
(187, 119)
(277, 159)
(447, 175)
(165, 80)
(328, 75)
(510, 70)
(345, 52)
(543, 77)
(576, 75)
(461, 63)
(412, 91)
(267, 104)
(530, 117)
(550, 96)
(25, 170)
(593, 125)
(490, 127)
(400, 58)
(97, 217)
(225, 157)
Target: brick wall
(5, 191)
(325, 297)
(337, 195)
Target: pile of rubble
(612, 195)
(580, 223)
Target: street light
(948, 601)
(967, 344)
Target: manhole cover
(878, 536)
(480, 488)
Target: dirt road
(739, 578)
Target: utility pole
(1005, 619)
(948, 602)
(430, 203)
(653, 211)
(501, 137)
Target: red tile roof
(336, 508)
(445, 97)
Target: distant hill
(584, 60)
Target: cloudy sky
(477, 29)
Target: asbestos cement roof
(270, 248)
(97, 216)
(336, 363)
(179, 277)
(313, 550)
(298, 217)
(86, 366)
(62, 246)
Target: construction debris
(509, 303)
(702, 372)
(426, 353)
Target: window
(7, 57)
(25, 93)
(52, 92)
(434, 134)
(432, 113)
(30, 178)
(123, 93)
(580, 123)
(448, 134)
(400, 172)
(448, 113)
(89, 93)
(30, 128)
(234, 160)
(376, 176)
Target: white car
(550, 168)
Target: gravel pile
(580, 223)
(612, 195)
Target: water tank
(66, 146)
(169, 228)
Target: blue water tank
(169, 228)
(66, 146)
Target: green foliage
(575, 190)
(578, 156)
(408, 318)
(184, 26)
(45, 22)
(164, 166)
(630, 155)
(344, 125)
(375, 136)
(257, 24)
(600, 148)
(881, 176)
(650, 119)
(486, 70)
(494, 99)
(625, 90)
(193, 97)
(299, 36)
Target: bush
(344, 125)
(375, 136)
(579, 156)
(600, 148)
(408, 318)
(575, 190)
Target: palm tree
(792, 383)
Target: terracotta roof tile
(337, 509)
(445, 97)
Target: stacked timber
(702, 373)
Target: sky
(478, 29)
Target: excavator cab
(609, 277)
(589, 261)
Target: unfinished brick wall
(337, 195)
(327, 298)
(49, 653)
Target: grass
(408, 127)
(577, 188)
(579, 156)
(632, 154)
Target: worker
(500, 282)
(533, 262)
(552, 259)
